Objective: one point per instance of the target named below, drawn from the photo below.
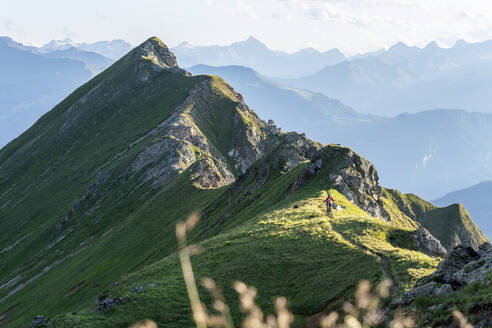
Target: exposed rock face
(428, 244)
(410, 296)
(477, 269)
(179, 142)
(109, 302)
(455, 261)
(356, 178)
(156, 51)
(461, 267)
(296, 148)
(211, 173)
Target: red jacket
(329, 199)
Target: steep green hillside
(476, 200)
(453, 225)
(90, 196)
(283, 245)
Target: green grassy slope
(452, 225)
(282, 250)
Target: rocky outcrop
(39, 321)
(180, 142)
(461, 267)
(454, 262)
(211, 173)
(294, 149)
(108, 303)
(351, 174)
(356, 178)
(63, 224)
(427, 243)
(157, 52)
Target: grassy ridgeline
(295, 252)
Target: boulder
(452, 263)
(410, 296)
(428, 244)
(444, 289)
(38, 321)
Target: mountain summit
(155, 50)
(91, 194)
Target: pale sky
(351, 25)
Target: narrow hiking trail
(389, 273)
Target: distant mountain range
(409, 79)
(31, 84)
(386, 82)
(428, 153)
(478, 201)
(94, 62)
(253, 53)
(33, 80)
(290, 108)
(114, 49)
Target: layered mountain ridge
(408, 79)
(253, 53)
(427, 153)
(91, 193)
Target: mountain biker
(330, 203)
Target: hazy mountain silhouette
(31, 84)
(253, 53)
(409, 79)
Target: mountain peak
(460, 43)
(399, 46)
(252, 39)
(432, 45)
(252, 43)
(156, 51)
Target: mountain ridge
(426, 143)
(91, 194)
(476, 199)
(253, 53)
(400, 79)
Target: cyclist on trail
(330, 204)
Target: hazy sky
(350, 25)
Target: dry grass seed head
(329, 321)
(463, 322)
(144, 324)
